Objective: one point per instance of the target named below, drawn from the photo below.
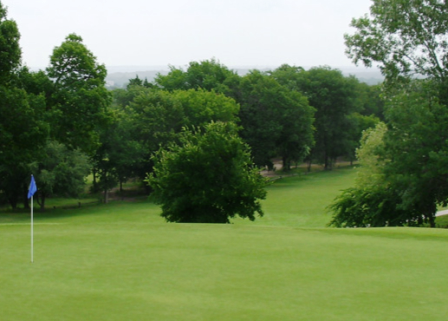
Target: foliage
(120, 154)
(22, 128)
(369, 206)
(408, 40)
(358, 125)
(80, 99)
(60, 172)
(334, 97)
(158, 116)
(208, 75)
(138, 82)
(406, 163)
(417, 147)
(207, 178)
(405, 38)
(368, 155)
(372, 202)
(275, 120)
(10, 52)
(371, 100)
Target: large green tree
(60, 172)
(405, 38)
(158, 116)
(120, 155)
(10, 52)
(22, 126)
(208, 177)
(408, 40)
(80, 99)
(207, 74)
(334, 97)
(276, 121)
(22, 133)
(416, 144)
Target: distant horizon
(142, 68)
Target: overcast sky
(255, 33)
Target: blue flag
(33, 187)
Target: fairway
(121, 261)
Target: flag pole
(32, 189)
(32, 232)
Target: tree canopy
(334, 98)
(408, 40)
(80, 98)
(208, 177)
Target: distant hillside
(118, 76)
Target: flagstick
(32, 235)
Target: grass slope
(123, 262)
(301, 201)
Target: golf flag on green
(31, 191)
(33, 187)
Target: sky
(237, 33)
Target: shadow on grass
(23, 215)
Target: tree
(22, 126)
(275, 120)
(417, 147)
(334, 97)
(22, 133)
(408, 164)
(10, 52)
(207, 178)
(158, 116)
(371, 100)
(208, 75)
(406, 38)
(80, 99)
(60, 172)
(373, 200)
(138, 82)
(120, 154)
(408, 41)
(358, 124)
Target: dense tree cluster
(62, 123)
(48, 117)
(407, 39)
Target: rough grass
(121, 261)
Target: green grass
(121, 261)
(442, 221)
(301, 201)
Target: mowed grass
(121, 261)
(301, 201)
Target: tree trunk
(432, 221)
(326, 161)
(286, 164)
(94, 182)
(13, 201)
(106, 196)
(42, 202)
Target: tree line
(404, 176)
(62, 123)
